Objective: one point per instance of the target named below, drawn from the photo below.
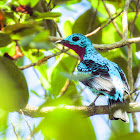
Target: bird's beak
(62, 42)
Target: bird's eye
(75, 38)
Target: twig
(136, 89)
(133, 22)
(67, 82)
(42, 61)
(93, 103)
(135, 129)
(55, 24)
(100, 28)
(47, 5)
(64, 88)
(27, 123)
(27, 66)
(129, 67)
(54, 38)
(15, 130)
(130, 49)
(90, 27)
(124, 19)
(125, 36)
(49, 2)
(74, 56)
(35, 130)
(110, 16)
(57, 28)
(34, 111)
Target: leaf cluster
(29, 25)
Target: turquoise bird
(106, 77)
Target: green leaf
(137, 22)
(3, 122)
(41, 45)
(67, 28)
(26, 41)
(57, 2)
(10, 49)
(14, 91)
(110, 35)
(73, 1)
(35, 93)
(84, 19)
(129, 136)
(84, 24)
(42, 36)
(17, 27)
(131, 16)
(34, 55)
(31, 3)
(9, 15)
(120, 129)
(67, 125)
(24, 2)
(64, 63)
(136, 70)
(100, 7)
(5, 39)
(47, 15)
(37, 41)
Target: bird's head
(76, 42)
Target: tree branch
(124, 19)
(42, 61)
(110, 16)
(118, 44)
(15, 130)
(131, 82)
(130, 76)
(100, 28)
(33, 111)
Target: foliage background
(30, 29)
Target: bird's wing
(123, 77)
(100, 79)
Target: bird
(106, 77)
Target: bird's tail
(117, 113)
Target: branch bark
(124, 19)
(34, 111)
(43, 60)
(118, 44)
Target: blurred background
(30, 25)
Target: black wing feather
(100, 78)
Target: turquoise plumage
(106, 78)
